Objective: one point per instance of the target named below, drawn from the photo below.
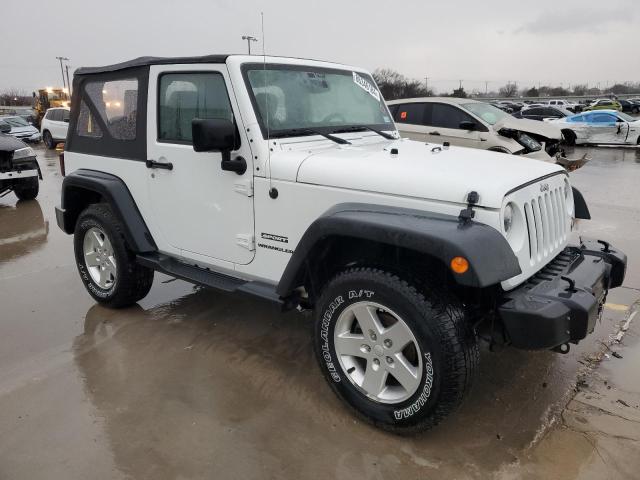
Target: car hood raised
(529, 126)
(9, 143)
(421, 170)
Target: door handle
(434, 133)
(163, 165)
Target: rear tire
(27, 189)
(105, 262)
(48, 140)
(432, 341)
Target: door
(445, 121)
(200, 209)
(605, 128)
(59, 123)
(409, 119)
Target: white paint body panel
(197, 211)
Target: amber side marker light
(459, 265)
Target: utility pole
(486, 88)
(426, 84)
(249, 39)
(62, 69)
(68, 82)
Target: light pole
(68, 82)
(249, 39)
(62, 69)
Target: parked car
(629, 106)
(470, 123)
(19, 169)
(542, 112)
(54, 126)
(566, 105)
(602, 127)
(603, 104)
(502, 107)
(296, 189)
(22, 129)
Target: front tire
(27, 189)
(400, 357)
(569, 137)
(48, 140)
(106, 264)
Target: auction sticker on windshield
(364, 84)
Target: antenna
(273, 193)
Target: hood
(529, 126)
(25, 129)
(419, 171)
(9, 143)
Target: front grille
(547, 223)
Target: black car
(19, 169)
(629, 106)
(542, 112)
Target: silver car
(21, 129)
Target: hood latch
(468, 213)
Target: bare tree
(580, 89)
(395, 85)
(509, 90)
(14, 97)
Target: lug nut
(376, 362)
(373, 335)
(388, 343)
(365, 348)
(390, 360)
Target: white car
(54, 126)
(21, 129)
(565, 104)
(469, 123)
(285, 179)
(600, 127)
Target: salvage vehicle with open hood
(600, 127)
(19, 169)
(286, 179)
(470, 123)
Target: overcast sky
(546, 41)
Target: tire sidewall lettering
(423, 398)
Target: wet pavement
(193, 383)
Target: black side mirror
(5, 127)
(218, 135)
(65, 120)
(466, 125)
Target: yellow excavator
(47, 98)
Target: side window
(117, 104)
(185, 96)
(393, 109)
(65, 115)
(534, 111)
(54, 115)
(603, 118)
(86, 125)
(448, 116)
(411, 113)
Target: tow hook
(563, 349)
(572, 284)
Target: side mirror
(5, 127)
(218, 135)
(65, 120)
(466, 125)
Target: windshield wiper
(310, 131)
(357, 128)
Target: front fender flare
(444, 237)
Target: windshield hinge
(244, 187)
(246, 240)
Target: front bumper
(560, 304)
(18, 174)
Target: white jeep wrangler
(286, 179)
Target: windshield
(293, 97)
(486, 112)
(16, 121)
(626, 118)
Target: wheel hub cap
(99, 258)
(378, 352)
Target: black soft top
(145, 61)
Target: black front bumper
(560, 304)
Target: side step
(208, 278)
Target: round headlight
(507, 218)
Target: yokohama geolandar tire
(402, 358)
(27, 189)
(106, 265)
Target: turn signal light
(459, 265)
